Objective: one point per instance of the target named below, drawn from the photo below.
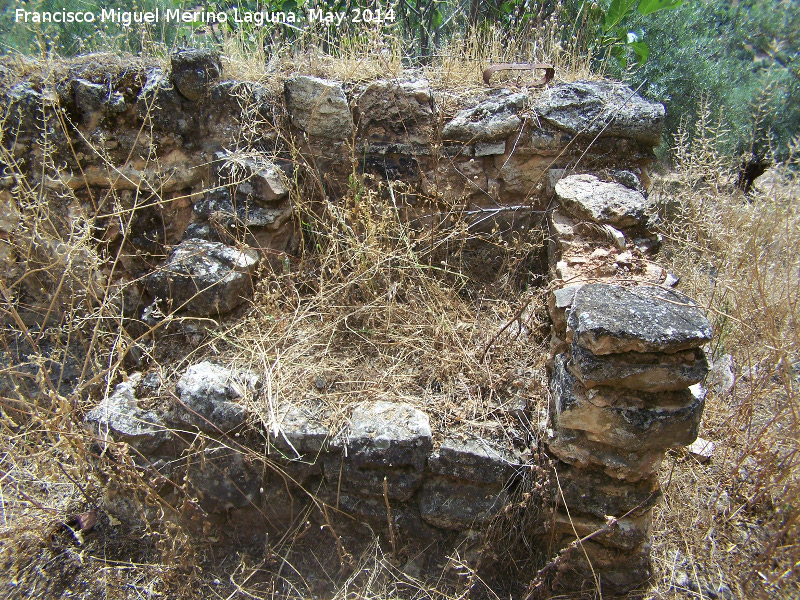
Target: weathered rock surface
(461, 506)
(387, 434)
(586, 197)
(229, 213)
(608, 319)
(205, 278)
(617, 571)
(401, 482)
(396, 110)
(648, 371)
(319, 107)
(601, 108)
(120, 417)
(473, 459)
(558, 301)
(574, 447)
(298, 431)
(212, 397)
(595, 493)
(492, 119)
(223, 478)
(257, 178)
(194, 70)
(628, 533)
(623, 419)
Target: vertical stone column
(623, 392)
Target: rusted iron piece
(549, 71)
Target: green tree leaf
(641, 50)
(650, 6)
(618, 10)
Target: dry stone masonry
(627, 359)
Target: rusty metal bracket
(549, 71)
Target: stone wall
(205, 170)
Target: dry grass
(734, 520)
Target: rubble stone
(459, 506)
(574, 447)
(386, 434)
(653, 372)
(473, 459)
(623, 419)
(204, 278)
(318, 107)
(602, 108)
(586, 197)
(492, 119)
(120, 417)
(608, 319)
(211, 397)
(194, 70)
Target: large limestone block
(646, 371)
(495, 118)
(624, 419)
(204, 278)
(211, 396)
(318, 107)
(194, 70)
(593, 492)
(451, 504)
(386, 434)
(120, 418)
(474, 459)
(601, 108)
(393, 111)
(399, 483)
(223, 478)
(608, 319)
(574, 447)
(627, 533)
(586, 197)
(297, 430)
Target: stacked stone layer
(627, 362)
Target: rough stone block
(400, 111)
(601, 108)
(224, 478)
(211, 397)
(574, 447)
(194, 70)
(401, 482)
(297, 430)
(627, 534)
(492, 119)
(120, 417)
(646, 371)
(622, 419)
(618, 571)
(608, 319)
(586, 197)
(595, 493)
(319, 107)
(257, 179)
(558, 302)
(473, 459)
(386, 434)
(451, 504)
(204, 278)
